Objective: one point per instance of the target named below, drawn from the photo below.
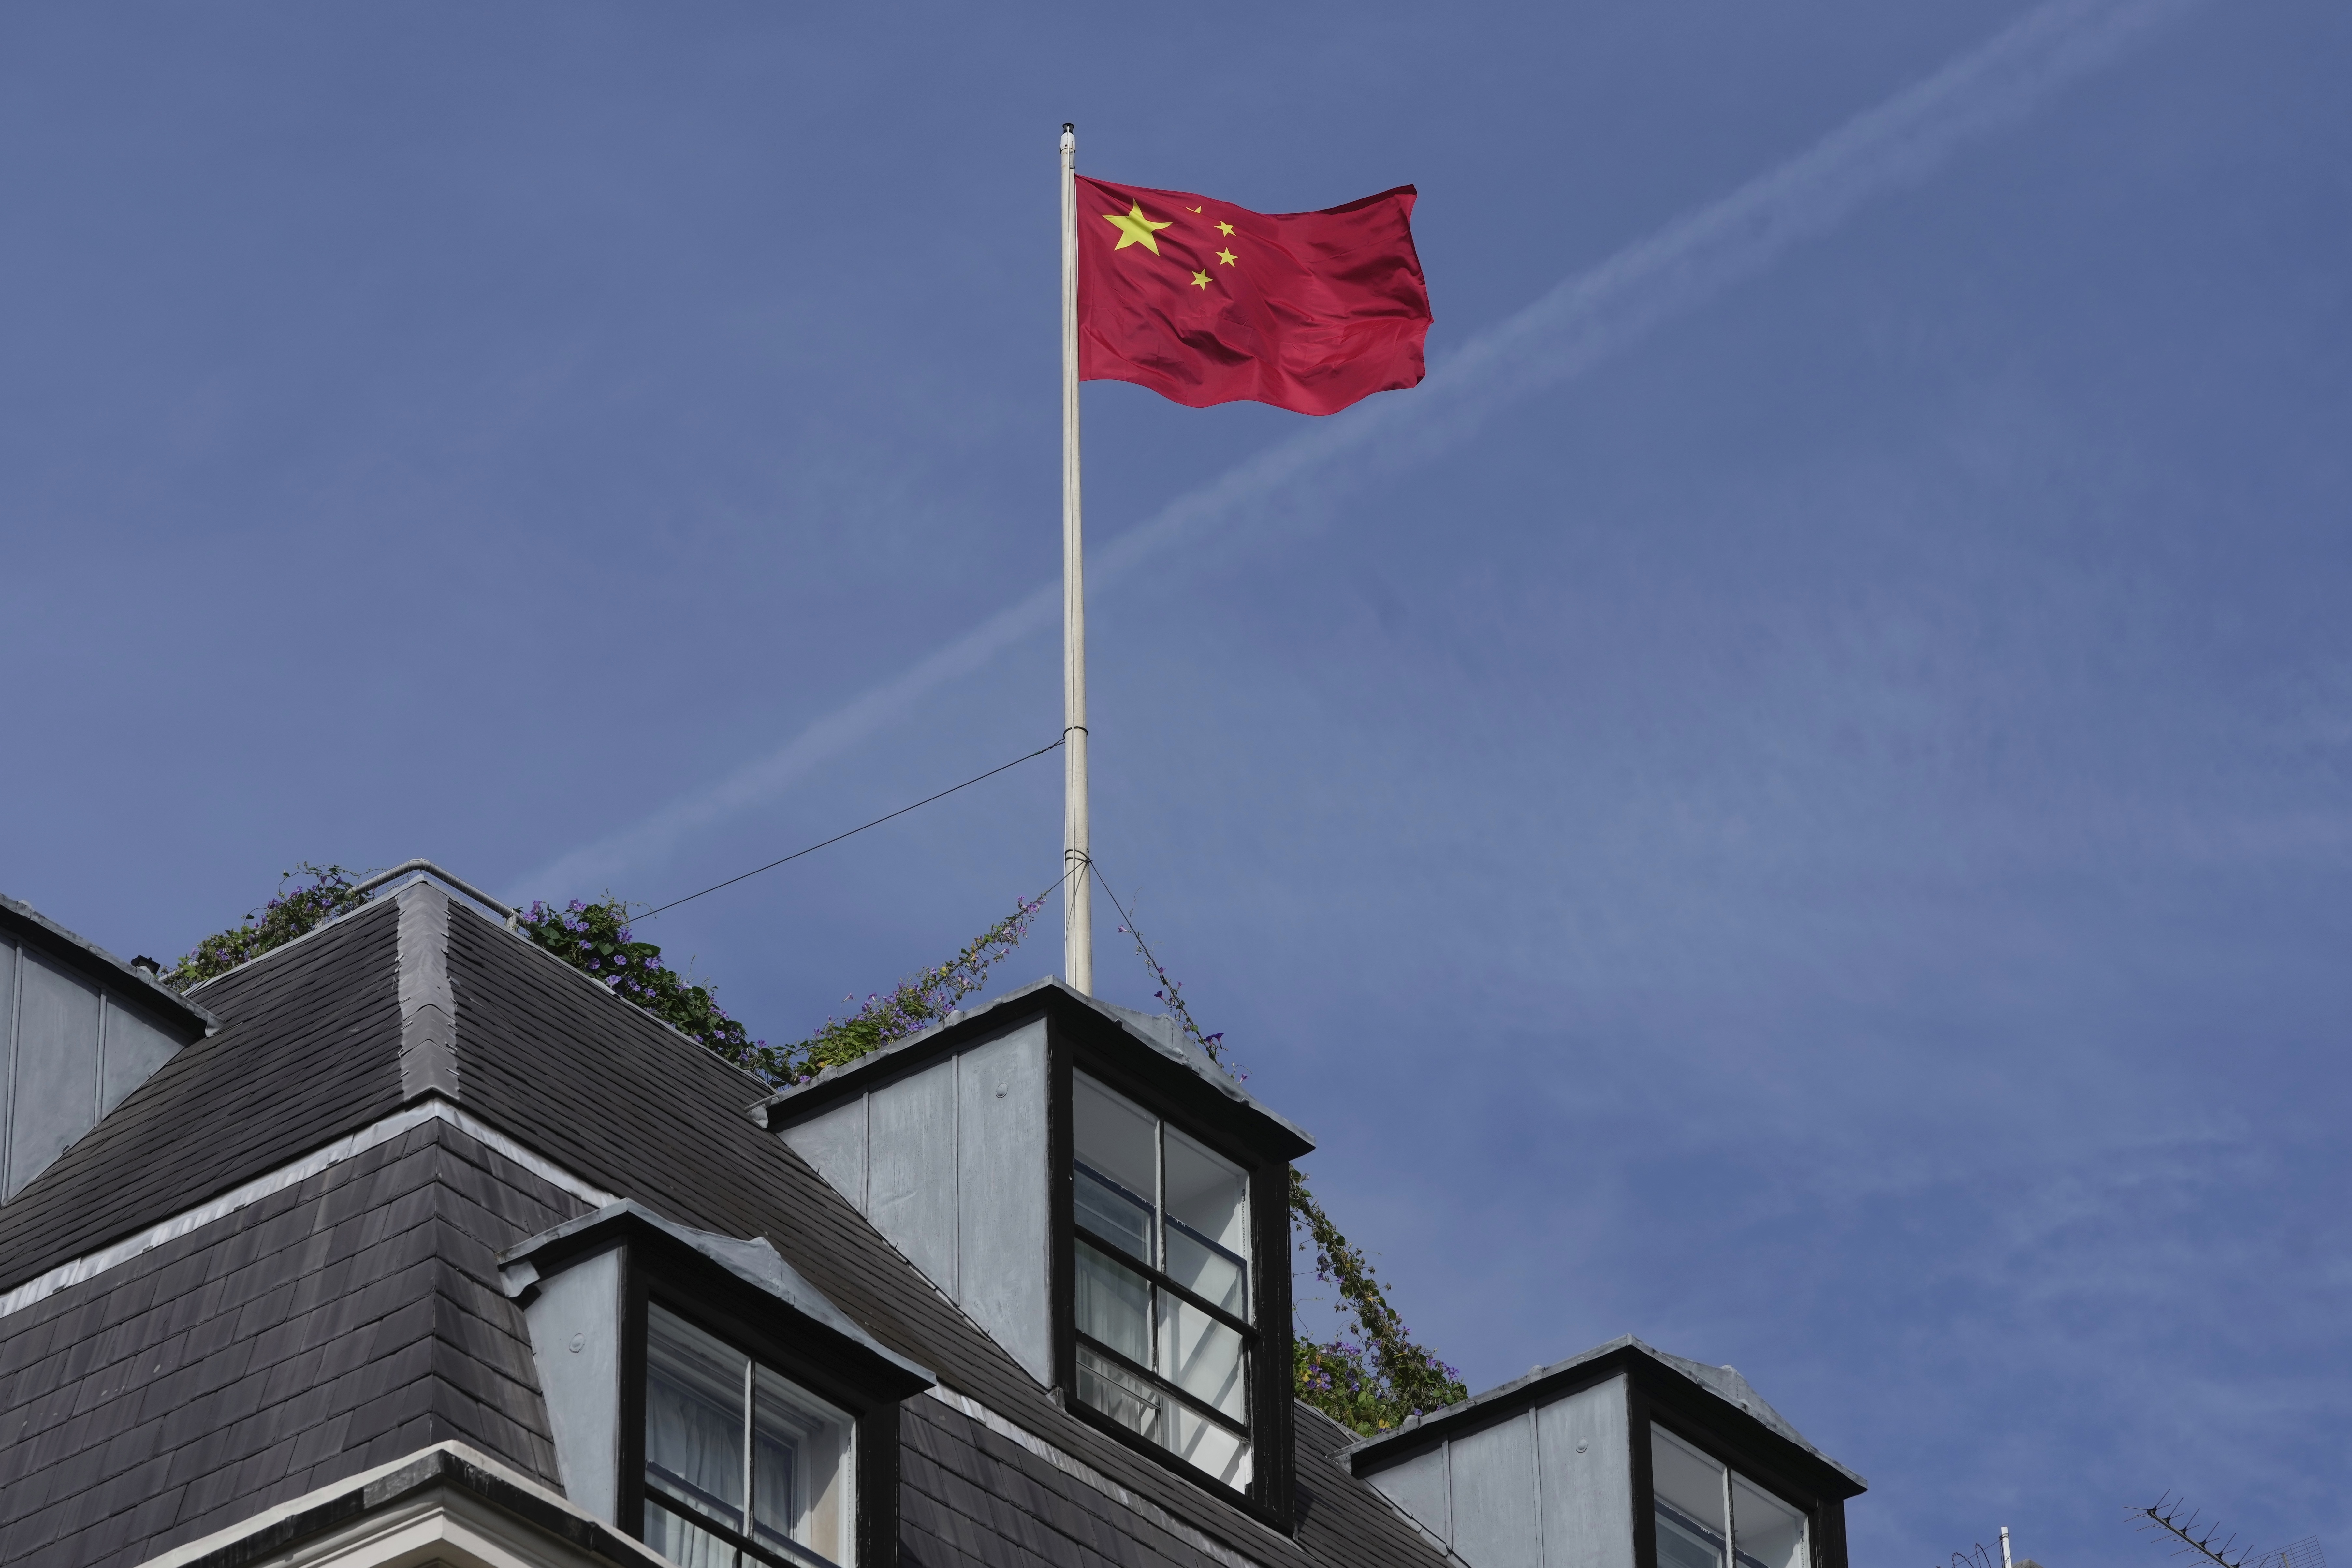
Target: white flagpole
(1078, 890)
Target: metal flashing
(428, 1008)
(22, 921)
(756, 1262)
(367, 886)
(275, 1534)
(1159, 1034)
(1542, 1384)
(91, 1264)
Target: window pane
(1119, 1394)
(694, 1418)
(1202, 1442)
(1688, 1490)
(802, 1478)
(1113, 1213)
(1114, 1305)
(1771, 1534)
(1202, 1357)
(1110, 1135)
(1208, 1270)
(1209, 1194)
(683, 1543)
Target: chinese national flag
(1206, 302)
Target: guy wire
(853, 832)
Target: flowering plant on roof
(915, 1003)
(1372, 1378)
(295, 912)
(1371, 1375)
(595, 939)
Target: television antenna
(2171, 1517)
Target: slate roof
(307, 1049)
(337, 1325)
(357, 1316)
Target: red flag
(1206, 302)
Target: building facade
(407, 1244)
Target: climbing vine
(915, 1003)
(595, 939)
(1369, 1376)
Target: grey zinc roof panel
(23, 921)
(756, 1262)
(1724, 1382)
(342, 1322)
(1161, 1034)
(308, 1050)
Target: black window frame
(722, 1306)
(1084, 1041)
(1653, 1400)
(655, 1267)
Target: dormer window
(742, 1466)
(1710, 1516)
(1623, 1456)
(1104, 1201)
(707, 1399)
(1161, 1283)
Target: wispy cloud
(1579, 324)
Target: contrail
(1578, 325)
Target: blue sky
(1795, 808)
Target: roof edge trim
(21, 920)
(270, 1533)
(1543, 1384)
(367, 887)
(973, 1022)
(753, 1261)
(98, 1260)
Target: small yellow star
(1225, 229)
(1199, 280)
(1192, 209)
(1226, 256)
(1134, 228)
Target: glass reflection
(1688, 1490)
(1768, 1532)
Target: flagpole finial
(1069, 137)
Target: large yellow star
(1199, 280)
(1225, 229)
(1226, 256)
(1134, 228)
